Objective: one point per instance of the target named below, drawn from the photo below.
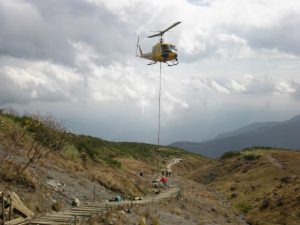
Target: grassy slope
(113, 165)
(264, 184)
(105, 162)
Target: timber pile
(12, 206)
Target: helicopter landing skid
(152, 63)
(173, 63)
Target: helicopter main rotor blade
(170, 27)
(155, 35)
(162, 32)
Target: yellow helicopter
(161, 52)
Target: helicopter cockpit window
(173, 47)
(165, 47)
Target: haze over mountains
(284, 134)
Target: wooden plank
(47, 222)
(57, 218)
(17, 221)
(87, 210)
(62, 216)
(78, 214)
(19, 207)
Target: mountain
(273, 134)
(248, 128)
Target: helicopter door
(165, 52)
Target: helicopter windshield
(165, 47)
(173, 47)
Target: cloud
(46, 29)
(234, 85)
(295, 91)
(79, 55)
(38, 81)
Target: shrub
(113, 162)
(251, 157)
(155, 221)
(230, 154)
(57, 206)
(244, 207)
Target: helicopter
(161, 52)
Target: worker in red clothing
(164, 181)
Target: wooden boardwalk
(87, 210)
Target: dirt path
(275, 161)
(88, 209)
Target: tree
(47, 136)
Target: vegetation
(40, 135)
(243, 207)
(230, 154)
(36, 135)
(262, 183)
(251, 157)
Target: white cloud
(285, 88)
(233, 54)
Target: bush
(57, 206)
(230, 154)
(251, 157)
(244, 207)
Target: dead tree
(48, 136)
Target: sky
(75, 59)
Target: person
(164, 180)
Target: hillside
(264, 184)
(273, 134)
(49, 167)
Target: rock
(233, 187)
(279, 202)
(265, 204)
(234, 195)
(75, 202)
(129, 210)
(284, 179)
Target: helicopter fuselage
(161, 52)
(164, 52)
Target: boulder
(75, 202)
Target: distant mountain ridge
(284, 134)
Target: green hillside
(46, 132)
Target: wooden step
(18, 221)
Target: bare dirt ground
(199, 205)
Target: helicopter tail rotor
(137, 46)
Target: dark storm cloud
(9, 93)
(43, 30)
(283, 35)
